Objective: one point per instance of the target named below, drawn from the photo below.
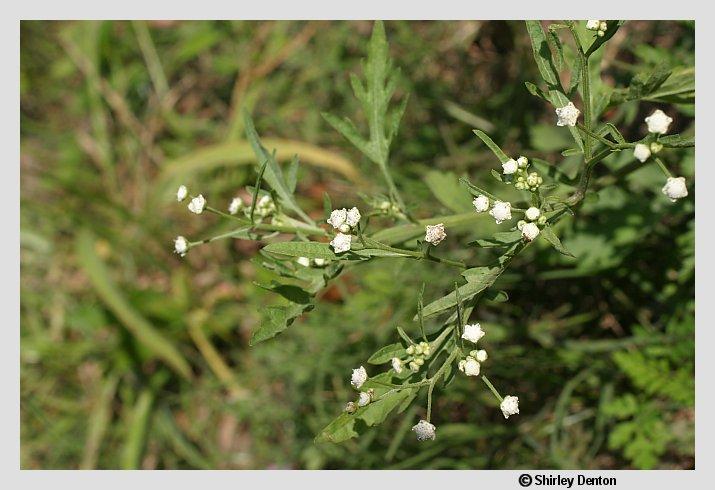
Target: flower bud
(655, 147)
(410, 350)
(542, 220)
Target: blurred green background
(115, 114)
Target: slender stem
(434, 379)
(662, 167)
(309, 230)
(491, 387)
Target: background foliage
(134, 358)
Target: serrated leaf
(445, 187)
(276, 319)
(551, 237)
(311, 250)
(343, 428)
(273, 175)
(492, 146)
(386, 353)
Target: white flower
(424, 430)
(265, 205)
(434, 234)
(304, 261)
(481, 203)
(181, 193)
(181, 246)
(341, 243)
(236, 204)
(481, 355)
(523, 162)
(510, 166)
(197, 204)
(353, 217)
(364, 399)
(320, 262)
(338, 217)
(469, 366)
(532, 213)
(530, 231)
(641, 152)
(473, 332)
(359, 377)
(501, 211)
(593, 25)
(658, 122)
(510, 406)
(602, 26)
(397, 365)
(567, 115)
(675, 188)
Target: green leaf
(376, 252)
(346, 127)
(290, 292)
(477, 281)
(445, 187)
(497, 175)
(496, 296)
(276, 319)
(386, 353)
(492, 146)
(676, 141)
(159, 345)
(343, 427)
(312, 250)
(550, 170)
(551, 237)
(481, 274)
(273, 174)
(536, 91)
(542, 53)
(292, 173)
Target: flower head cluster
(235, 205)
(481, 203)
(434, 234)
(471, 364)
(600, 26)
(306, 262)
(567, 115)
(530, 230)
(510, 406)
(641, 152)
(181, 193)
(197, 204)
(416, 355)
(358, 377)
(424, 430)
(344, 221)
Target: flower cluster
(416, 356)
(510, 406)
(517, 171)
(600, 26)
(530, 229)
(357, 379)
(264, 206)
(658, 123)
(471, 364)
(424, 430)
(344, 221)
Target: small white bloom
(510, 406)
(338, 217)
(353, 217)
(481, 355)
(641, 152)
(364, 399)
(304, 261)
(319, 262)
(471, 366)
(501, 211)
(658, 122)
(341, 243)
(359, 377)
(197, 204)
(350, 407)
(530, 231)
(675, 188)
(510, 167)
(567, 115)
(593, 25)
(434, 234)
(603, 26)
(424, 430)
(397, 365)
(473, 332)
(235, 205)
(181, 246)
(532, 214)
(523, 162)
(481, 203)
(181, 193)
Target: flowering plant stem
(491, 388)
